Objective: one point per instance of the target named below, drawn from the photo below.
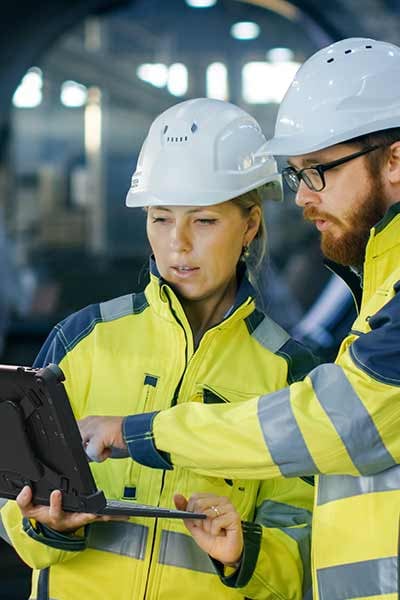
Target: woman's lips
(184, 272)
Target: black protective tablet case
(40, 445)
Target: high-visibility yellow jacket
(134, 354)
(341, 423)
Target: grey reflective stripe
(302, 535)
(270, 335)
(180, 550)
(125, 539)
(117, 307)
(334, 487)
(277, 514)
(282, 435)
(358, 580)
(3, 533)
(3, 501)
(350, 419)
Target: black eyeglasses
(314, 177)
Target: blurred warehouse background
(80, 83)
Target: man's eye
(158, 219)
(207, 221)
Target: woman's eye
(158, 220)
(207, 221)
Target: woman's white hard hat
(346, 90)
(202, 152)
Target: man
(340, 125)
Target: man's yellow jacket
(136, 354)
(342, 423)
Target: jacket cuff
(252, 533)
(55, 539)
(138, 435)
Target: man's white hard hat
(346, 90)
(201, 152)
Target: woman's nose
(181, 239)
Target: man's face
(352, 202)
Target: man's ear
(393, 164)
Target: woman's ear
(253, 223)
(393, 164)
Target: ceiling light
(245, 30)
(280, 55)
(177, 79)
(154, 73)
(217, 81)
(201, 3)
(29, 93)
(73, 94)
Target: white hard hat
(201, 152)
(346, 90)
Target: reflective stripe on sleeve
(350, 419)
(358, 580)
(282, 435)
(180, 550)
(335, 487)
(125, 539)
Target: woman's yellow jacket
(341, 423)
(135, 354)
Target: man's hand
(220, 535)
(53, 516)
(102, 438)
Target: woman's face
(197, 248)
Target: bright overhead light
(280, 55)
(245, 30)
(29, 93)
(201, 3)
(264, 82)
(177, 79)
(73, 94)
(154, 73)
(217, 81)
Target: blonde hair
(258, 248)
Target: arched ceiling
(29, 27)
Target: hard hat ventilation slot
(368, 47)
(193, 128)
(180, 138)
(330, 60)
(348, 51)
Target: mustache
(310, 213)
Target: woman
(193, 335)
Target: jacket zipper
(173, 403)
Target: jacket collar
(244, 293)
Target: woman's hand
(53, 516)
(220, 535)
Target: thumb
(180, 501)
(96, 451)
